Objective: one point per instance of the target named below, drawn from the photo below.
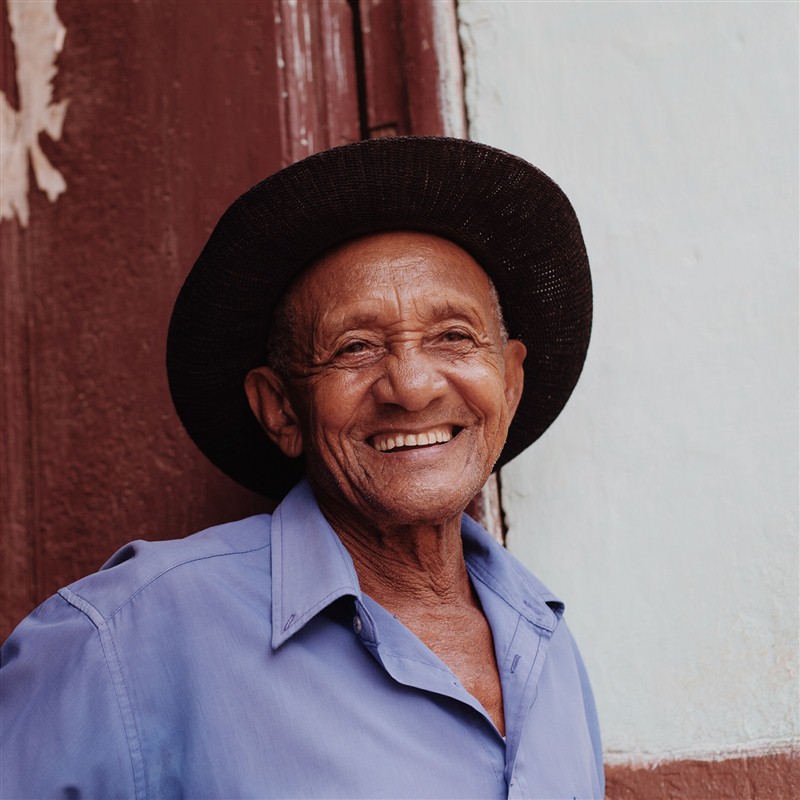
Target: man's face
(400, 382)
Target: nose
(411, 379)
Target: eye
(354, 347)
(455, 336)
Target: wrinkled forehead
(412, 261)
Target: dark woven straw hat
(516, 223)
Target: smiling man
(367, 335)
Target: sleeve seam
(99, 619)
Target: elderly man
(352, 339)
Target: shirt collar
(310, 566)
(492, 564)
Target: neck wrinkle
(407, 566)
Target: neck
(406, 566)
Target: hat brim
(515, 221)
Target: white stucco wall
(663, 504)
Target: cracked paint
(38, 37)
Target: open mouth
(396, 442)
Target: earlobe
(269, 402)
(514, 354)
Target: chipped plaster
(38, 38)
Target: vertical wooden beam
(412, 68)
(318, 102)
(433, 68)
(386, 89)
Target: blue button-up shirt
(245, 661)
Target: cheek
(484, 389)
(333, 405)
(491, 406)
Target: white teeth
(395, 440)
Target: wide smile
(394, 441)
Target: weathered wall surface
(663, 505)
(125, 130)
(138, 123)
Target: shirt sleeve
(63, 731)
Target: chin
(402, 496)
(420, 505)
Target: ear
(514, 354)
(269, 401)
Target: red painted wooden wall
(174, 109)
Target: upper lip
(432, 434)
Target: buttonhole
(514, 663)
(288, 622)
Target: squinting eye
(354, 347)
(454, 336)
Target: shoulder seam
(120, 689)
(94, 614)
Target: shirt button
(357, 626)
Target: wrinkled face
(399, 383)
